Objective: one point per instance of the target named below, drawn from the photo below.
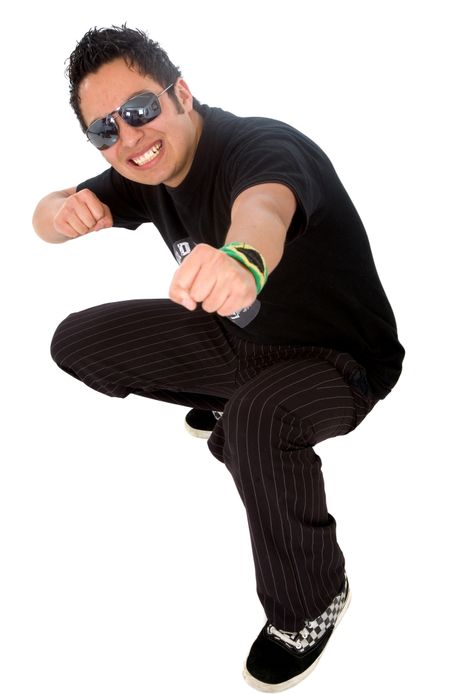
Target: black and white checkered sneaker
(280, 659)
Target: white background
(126, 565)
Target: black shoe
(200, 423)
(279, 659)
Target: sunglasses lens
(103, 133)
(138, 111)
(141, 109)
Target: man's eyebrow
(135, 94)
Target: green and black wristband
(250, 259)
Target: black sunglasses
(137, 111)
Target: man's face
(175, 134)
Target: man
(277, 333)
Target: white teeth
(148, 156)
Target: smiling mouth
(148, 156)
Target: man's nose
(129, 135)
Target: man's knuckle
(197, 295)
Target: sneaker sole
(200, 434)
(279, 687)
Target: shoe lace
(294, 639)
(313, 629)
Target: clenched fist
(81, 213)
(210, 277)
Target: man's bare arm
(66, 214)
(261, 216)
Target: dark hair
(100, 46)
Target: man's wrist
(250, 258)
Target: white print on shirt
(182, 248)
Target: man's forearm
(44, 216)
(261, 217)
(69, 214)
(270, 245)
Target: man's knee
(61, 345)
(269, 421)
(256, 419)
(75, 348)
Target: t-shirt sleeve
(276, 154)
(123, 197)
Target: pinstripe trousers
(278, 401)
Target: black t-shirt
(325, 292)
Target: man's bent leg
(153, 348)
(265, 438)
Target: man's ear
(183, 94)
